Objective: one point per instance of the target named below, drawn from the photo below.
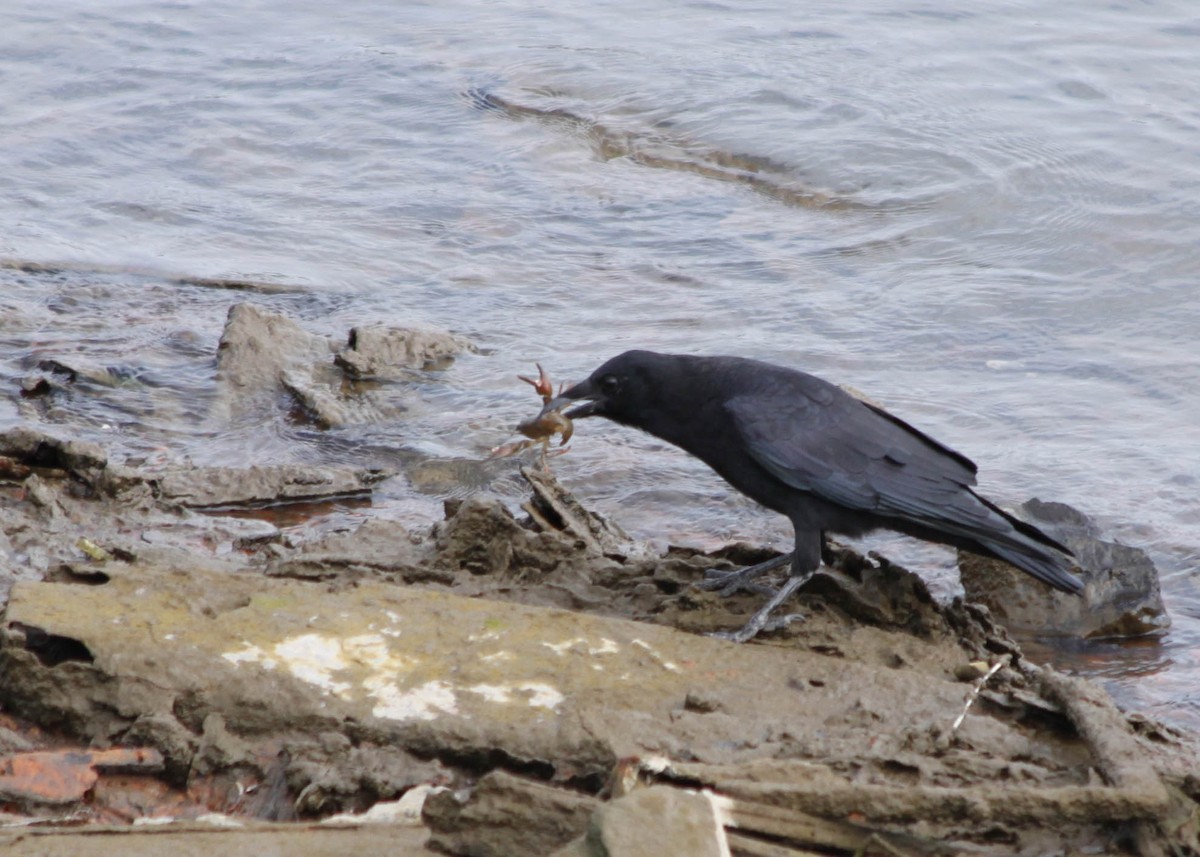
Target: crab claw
(512, 448)
(543, 385)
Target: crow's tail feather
(1033, 559)
(1027, 550)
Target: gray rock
(38, 449)
(264, 355)
(506, 815)
(1122, 597)
(210, 487)
(656, 822)
(378, 351)
(258, 350)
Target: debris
(66, 776)
(974, 694)
(93, 550)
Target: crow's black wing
(817, 438)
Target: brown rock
(1122, 597)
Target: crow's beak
(585, 408)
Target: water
(987, 218)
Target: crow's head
(626, 390)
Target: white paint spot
(314, 658)
(251, 655)
(659, 659)
(543, 695)
(535, 694)
(581, 646)
(492, 692)
(606, 647)
(420, 703)
(502, 655)
(364, 665)
(561, 649)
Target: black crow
(808, 449)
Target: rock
(339, 775)
(1122, 597)
(203, 838)
(506, 815)
(258, 349)
(376, 548)
(319, 401)
(553, 508)
(481, 536)
(438, 674)
(217, 487)
(75, 367)
(655, 822)
(263, 355)
(38, 449)
(377, 351)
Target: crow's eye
(609, 384)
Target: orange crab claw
(543, 385)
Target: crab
(542, 428)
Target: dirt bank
(511, 682)
(537, 665)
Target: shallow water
(988, 220)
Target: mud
(537, 679)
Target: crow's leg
(742, 579)
(806, 558)
(762, 618)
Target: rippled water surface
(986, 217)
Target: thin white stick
(975, 691)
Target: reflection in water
(661, 149)
(1152, 674)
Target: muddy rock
(263, 356)
(653, 822)
(289, 685)
(377, 549)
(551, 508)
(430, 670)
(73, 510)
(482, 536)
(1122, 597)
(506, 815)
(392, 353)
(37, 449)
(258, 351)
(371, 663)
(203, 838)
(219, 487)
